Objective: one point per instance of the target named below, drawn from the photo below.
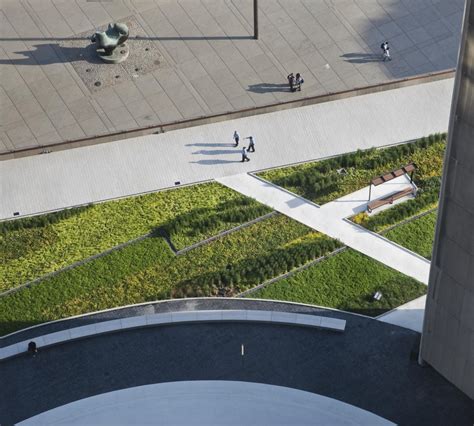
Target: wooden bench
(379, 180)
(390, 198)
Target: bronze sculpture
(107, 41)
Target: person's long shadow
(51, 53)
(269, 87)
(213, 162)
(210, 144)
(362, 58)
(216, 151)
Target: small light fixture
(378, 295)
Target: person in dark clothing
(251, 147)
(291, 82)
(244, 155)
(32, 348)
(236, 138)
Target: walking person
(244, 155)
(386, 51)
(299, 81)
(236, 138)
(291, 81)
(251, 147)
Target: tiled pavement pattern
(214, 65)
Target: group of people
(245, 150)
(295, 81)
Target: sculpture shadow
(362, 58)
(46, 54)
(216, 151)
(269, 87)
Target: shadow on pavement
(210, 144)
(217, 151)
(268, 87)
(213, 162)
(362, 58)
(46, 54)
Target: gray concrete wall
(448, 331)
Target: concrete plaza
(209, 62)
(41, 183)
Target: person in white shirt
(386, 51)
(244, 155)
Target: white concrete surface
(117, 169)
(356, 202)
(300, 320)
(207, 403)
(329, 220)
(410, 315)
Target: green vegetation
(417, 235)
(32, 247)
(346, 281)
(320, 181)
(148, 270)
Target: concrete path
(329, 222)
(208, 61)
(207, 402)
(356, 201)
(67, 178)
(410, 315)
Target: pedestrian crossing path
(331, 220)
(326, 220)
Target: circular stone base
(118, 55)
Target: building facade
(448, 331)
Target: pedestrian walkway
(332, 224)
(410, 315)
(73, 177)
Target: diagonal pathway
(333, 225)
(410, 315)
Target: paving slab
(204, 41)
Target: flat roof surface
(201, 58)
(208, 402)
(371, 365)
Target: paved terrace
(208, 62)
(77, 176)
